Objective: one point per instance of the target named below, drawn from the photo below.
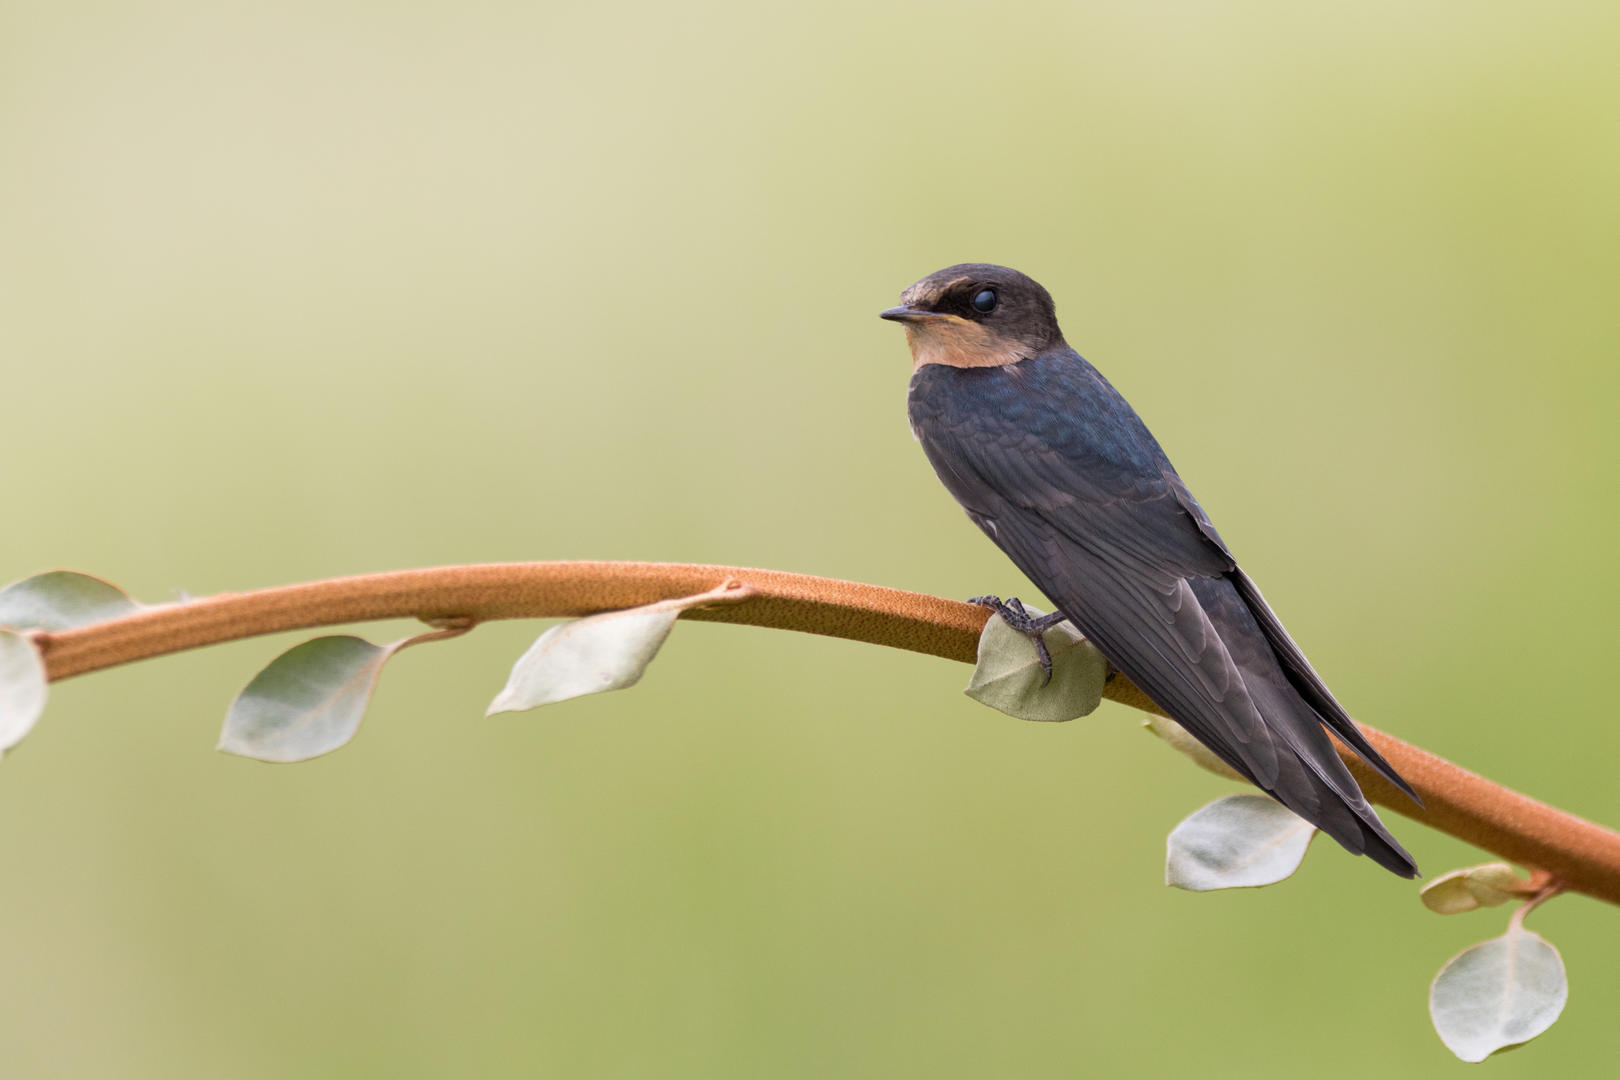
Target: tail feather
(1349, 820)
(1311, 780)
(1310, 686)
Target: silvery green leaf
(1473, 887)
(62, 600)
(1179, 738)
(307, 702)
(1449, 894)
(1498, 994)
(609, 651)
(1009, 676)
(22, 688)
(1237, 841)
(1496, 883)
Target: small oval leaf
(1179, 738)
(1496, 883)
(62, 600)
(22, 688)
(1498, 994)
(309, 701)
(1473, 887)
(586, 656)
(609, 651)
(1449, 894)
(1009, 676)
(1237, 841)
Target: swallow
(1059, 471)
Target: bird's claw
(1013, 614)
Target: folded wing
(1123, 550)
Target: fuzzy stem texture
(1578, 855)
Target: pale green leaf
(62, 600)
(1009, 676)
(609, 651)
(22, 688)
(1449, 894)
(1237, 841)
(1179, 738)
(586, 656)
(1498, 994)
(1473, 887)
(1496, 883)
(309, 701)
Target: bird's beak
(909, 314)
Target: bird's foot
(1013, 614)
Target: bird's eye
(984, 302)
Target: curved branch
(1579, 855)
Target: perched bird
(1056, 467)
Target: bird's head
(977, 315)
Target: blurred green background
(327, 288)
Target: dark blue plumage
(1058, 469)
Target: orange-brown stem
(1577, 854)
